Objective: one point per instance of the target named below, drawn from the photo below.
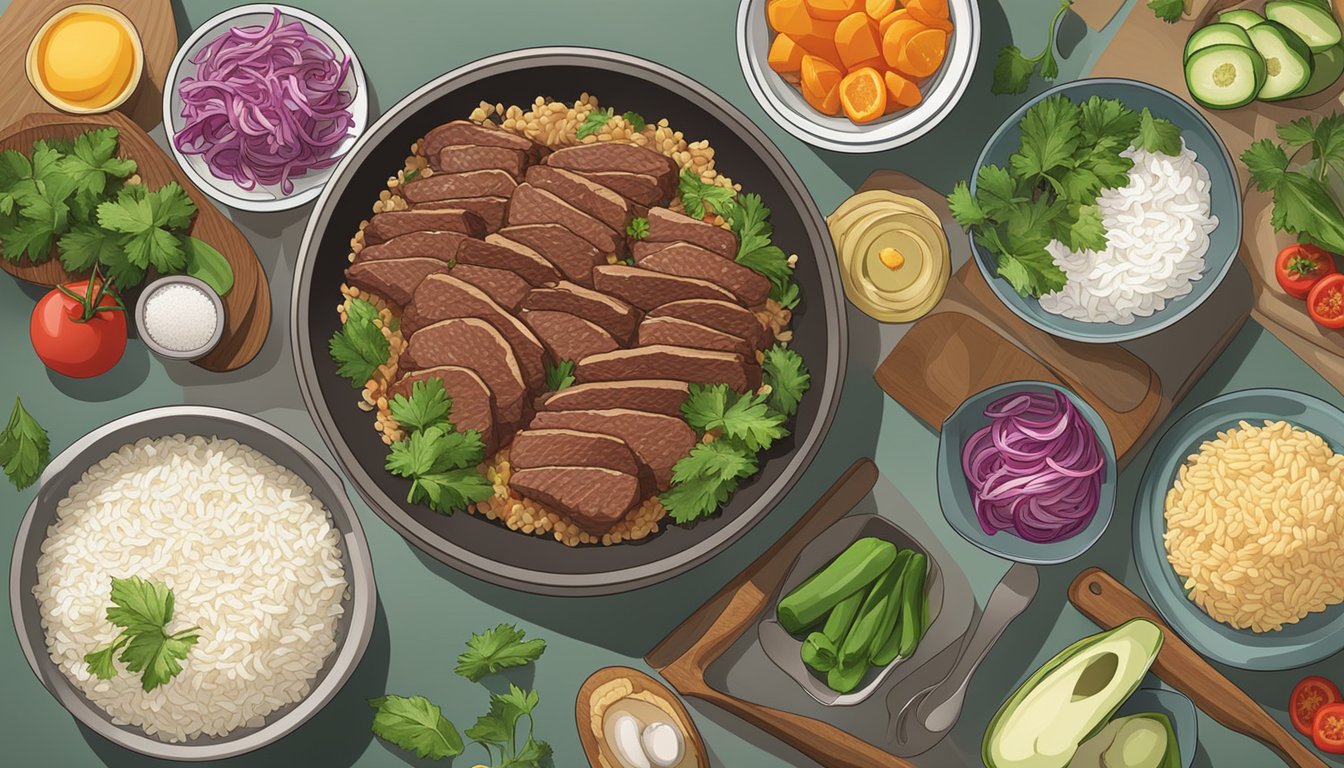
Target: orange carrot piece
(827, 102)
(923, 53)
(819, 75)
(863, 95)
(820, 41)
(856, 40)
(919, 13)
(933, 8)
(878, 9)
(788, 17)
(896, 37)
(832, 10)
(901, 91)
(892, 18)
(785, 54)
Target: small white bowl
(174, 354)
(263, 198)
(786, 106)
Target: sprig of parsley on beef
(440, 461)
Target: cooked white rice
(252, 559)
(1157, 232)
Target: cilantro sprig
(594, 122)
(359, 346)
(1167, 10)
(496, 649)
(25, 449)
(750, 221)
(1013, 70)
(417, 725)
(439, 460)
(143, 609)
(638, 228)
(1301, 170)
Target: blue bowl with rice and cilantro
(1103, 210)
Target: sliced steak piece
(749, 286)
(658, 440)
(453, 186)
(573, 255)
(667, 226)
(610, 156)
(613, 315)
(389, 224)
(467, 132)
(639, 188)
(683, 333)
(471, 342)
(432, 245)
(725, 315)
(568, 447)
(490, 209)
(652, 395)
(647, 289)
(473, 402)
(590, 197)
(644, 249)
(393, 279)
(446, 296)
(506, 288)
(594, 498)
(532, 205)
(664, 361)
(495, 252)
(460, 158)
(566, 336)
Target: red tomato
(1298, 267)
(1325, 303)
(1327, 730)
(1308, 696)
(80, 336)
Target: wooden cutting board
(972, 341)
(1148, 49)
(247, 306)
(153, 20)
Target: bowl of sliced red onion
(1027, 471)
(262, 103)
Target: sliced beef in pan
(725, 315)
(639, 188)
(389, 224)
(532, 205)
(664, 361)
(608, 156)
(473, 402)
(749, 286)
(460, 158)
(658, 440)
(593, 199)
(615, 316)
(441, 297)
(432, 245)
(594, 498)
(647, 289)
(491, 209)
(683, 333)
(644, 249)
(652, 395)
(561, 447)
(393, 279)
(573, 255)
(471, 342)
(667, 226)
(498, 253)
(506, 288)
(467, 132)
(566, 336)
(453, 186)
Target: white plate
(262, 198)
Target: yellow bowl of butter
(86, 59)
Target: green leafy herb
(1158, 134)
(207, 265)
(93, 163)
(359, 347)
(705, 478)
(415, 725)
(788, 378)
(1301, 174)
(1167, 10)
(635, 120)
(594, 122)
(428, 405)
(498, 729)
(1013, 70)
(746, 418)
(496, 649)
(638, 228)
(750, 221)
(143, 610)
(439, 460)
(25, 448)
(699, 198)
(410, 175)
(559, 375)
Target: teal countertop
(427, 610)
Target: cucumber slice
(1225, 76)
(1327, 67)
(1220, 33)
(1244, 19)
(1317, 28)
(1287, 60)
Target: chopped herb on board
(25, 448)
(143, 609)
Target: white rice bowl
(1157, 233)
(250, 553)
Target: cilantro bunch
(416, 724)
(733, 429)
(1068, 154)
(439, 461)
(143, 610)
(1307, 202)
(25, 449)
(76, 196)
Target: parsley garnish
(143, 610)
(415, 725)
(439, 461)
(750, 220)
(559, 375)
(359, 347)
(498, 729)
(594, 122)
(1303, 203)
(496, 649)
(699, 198)
(635, 120)
(788, 378)
(1012, 70)
(705, 478)
(1167, 10)
(25, 448)
(1158, 134)
(638, 228)
(744, 419)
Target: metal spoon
(932, 712)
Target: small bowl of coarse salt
(180, 318)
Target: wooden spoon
(599, 754)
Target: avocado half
(1070, 698)
(1144, 740)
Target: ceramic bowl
(137, 66)
(174, 354)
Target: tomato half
(1298, 267)
(1327, 729)
(1325, 302)
(81, 333)
(1310, 695)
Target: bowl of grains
(1236, 532)
(179, 318)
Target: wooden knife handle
(1109, 604)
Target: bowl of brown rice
(1236, 529)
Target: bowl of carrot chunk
(858, 75)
